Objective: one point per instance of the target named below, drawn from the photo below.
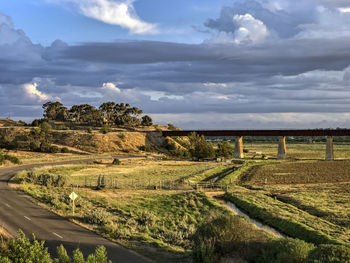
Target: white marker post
(73, 196)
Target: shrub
(6, 157)
(23, 250)
(221, 236)
(121, 136)
(147, 219)
(146, 121)
(89, 130)
(172, 127)
(105, 129)
(145, 148)
(65, 150)
(329, 254)
(225, 149)
(199, 147)
(53, 149)
(97, 216)
(285, 250)
(116, 162)
(61, 127)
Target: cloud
(299, 77)
(120, 13)
(250, 30)
(110, 88)
(31, 90)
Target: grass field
(158, 224)
(135, 172)
(298, 197)
(297, 150)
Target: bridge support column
(282, 149)
(329, 149)
(239, 147)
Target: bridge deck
(232, 133)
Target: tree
(225, 149)
(55, 111)
(126, 115)
(199, 147)
(107, 111)
(146, 121)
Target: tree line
(108, 113)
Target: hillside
(7, 122)
(94, 142)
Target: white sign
(73, 196)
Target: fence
(146, 184)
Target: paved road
(17, 211)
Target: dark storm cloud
(284, 73)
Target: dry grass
(298, 151)
(141, 171)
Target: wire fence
(146, 184)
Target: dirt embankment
(111, 142)
(93, 142)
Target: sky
(199, 64)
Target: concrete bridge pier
(282, 149)
(329, 149)
(239, 147)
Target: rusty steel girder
(257, 133)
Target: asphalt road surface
(17, 211)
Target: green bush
(65, 150)
(199, 147)
(145, 148)
(329, 254)
(89, 130)
(147, 219)
(225, 149)
(285, 250)
(105, 129)
(6, 157)
(116, 162)
(23, 250)
(221, 236)
(97, 217)
(121, 136)
(61, 127)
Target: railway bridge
(281, 134)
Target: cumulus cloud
(110, 88)
(291, 78)
(14, 44)
(31, 90)
(250, 30)
(121, 13)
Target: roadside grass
(132, 172)
(158, 224)
(37, 157)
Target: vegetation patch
(289, 219)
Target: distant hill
(8, 123)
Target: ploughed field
(298, 172)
